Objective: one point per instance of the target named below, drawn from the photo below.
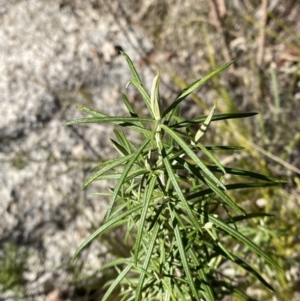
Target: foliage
(13, 263)
(172, 194)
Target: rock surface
(54, 55)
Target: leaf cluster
(171, 195)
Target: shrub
(172, 195)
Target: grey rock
(54, 55)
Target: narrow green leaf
(248, 268)
(211, 157)
(239, 218)
(239, 236)
(201, 273)
(132, 68)
(116, 262)
(130, 109)
(128, 105)
(224, 196)
(141, 227)
(229, 187)
(180, 294)
(123, 140)
(225, 147)
(150, 247)
(249, 185)
(215, 117)
(205, 125)
(120, 149)
(184, 260)
(144, 94)
(169, 291)
(111, 164)
(116, 282)
(113, 222)
(192, 155)
(155, 100)
(180, 194)
(129, 165)
(246, 173)
(113, 119)
(136, 174)
(91, 112)
(192, 87)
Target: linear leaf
(111, 164)
(215, 117)
(239, 218)
(184, 260)
(248, 268)
(211, 157)
(130, 109)
(169, 291)
(132, 68)
(116, 262)
(224, 196)
(239, 236)
(192, 87)
(246, 173)
(224, 147)
(230, 187)
(116, 282)
(91, 112)
(155, 100)
(144, 94)
(128, 105)
(205, 125)
(146, 262)
(113, 119)
(201, 273)
(113, 222)
(122, 151)
(123, 140)
(193, 156)
(131, 175)
(147, 198)
(129, 165)
(180, 194)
